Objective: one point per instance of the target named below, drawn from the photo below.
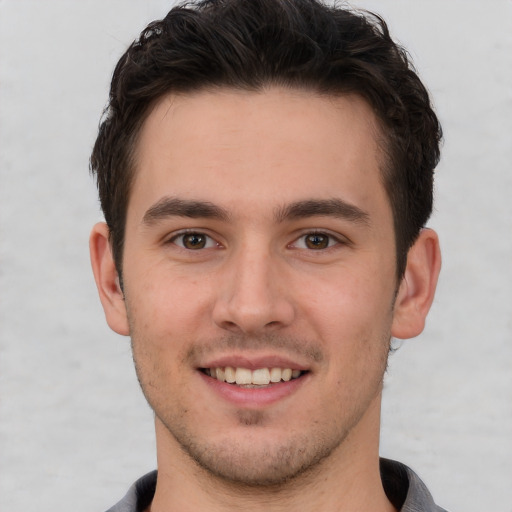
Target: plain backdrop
(75, 430)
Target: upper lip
(254, 362)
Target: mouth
(257, 378)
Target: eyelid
(191, 231)
(336, 237)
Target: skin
(258, 291)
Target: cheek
(168, 303)
(353, 322)
(158, 347)
(350, 303)
(165, 315)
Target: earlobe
(107, 279)
(417, 289)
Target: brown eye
(316, 241)
(193, 241)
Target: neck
(347, 480)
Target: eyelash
(332, 241)
(210, 242)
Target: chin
(255, 456)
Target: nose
(253, 296)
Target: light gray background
(74, 428)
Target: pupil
(194, 241)
(317, 241)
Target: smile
(252, 378)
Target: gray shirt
(402, 485)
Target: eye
(193, 241)
(315, 241)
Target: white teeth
(287, 374)
(261, 376)
(229, 374)
(275, 374)
(258, 377)
(243, 376)
(219, 374)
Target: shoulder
(139, 495)
(405, 489)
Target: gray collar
(402, 485)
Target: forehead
(274, 146)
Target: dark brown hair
(250, 44)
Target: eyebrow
(322, 207)
(174, 207)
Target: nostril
(229, 326)
(252, 314)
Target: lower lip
(254, 397)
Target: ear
(107, 279)
(418, 286)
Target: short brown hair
(292, 43)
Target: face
(260, 249)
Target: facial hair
(256, 459)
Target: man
(265, 169)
